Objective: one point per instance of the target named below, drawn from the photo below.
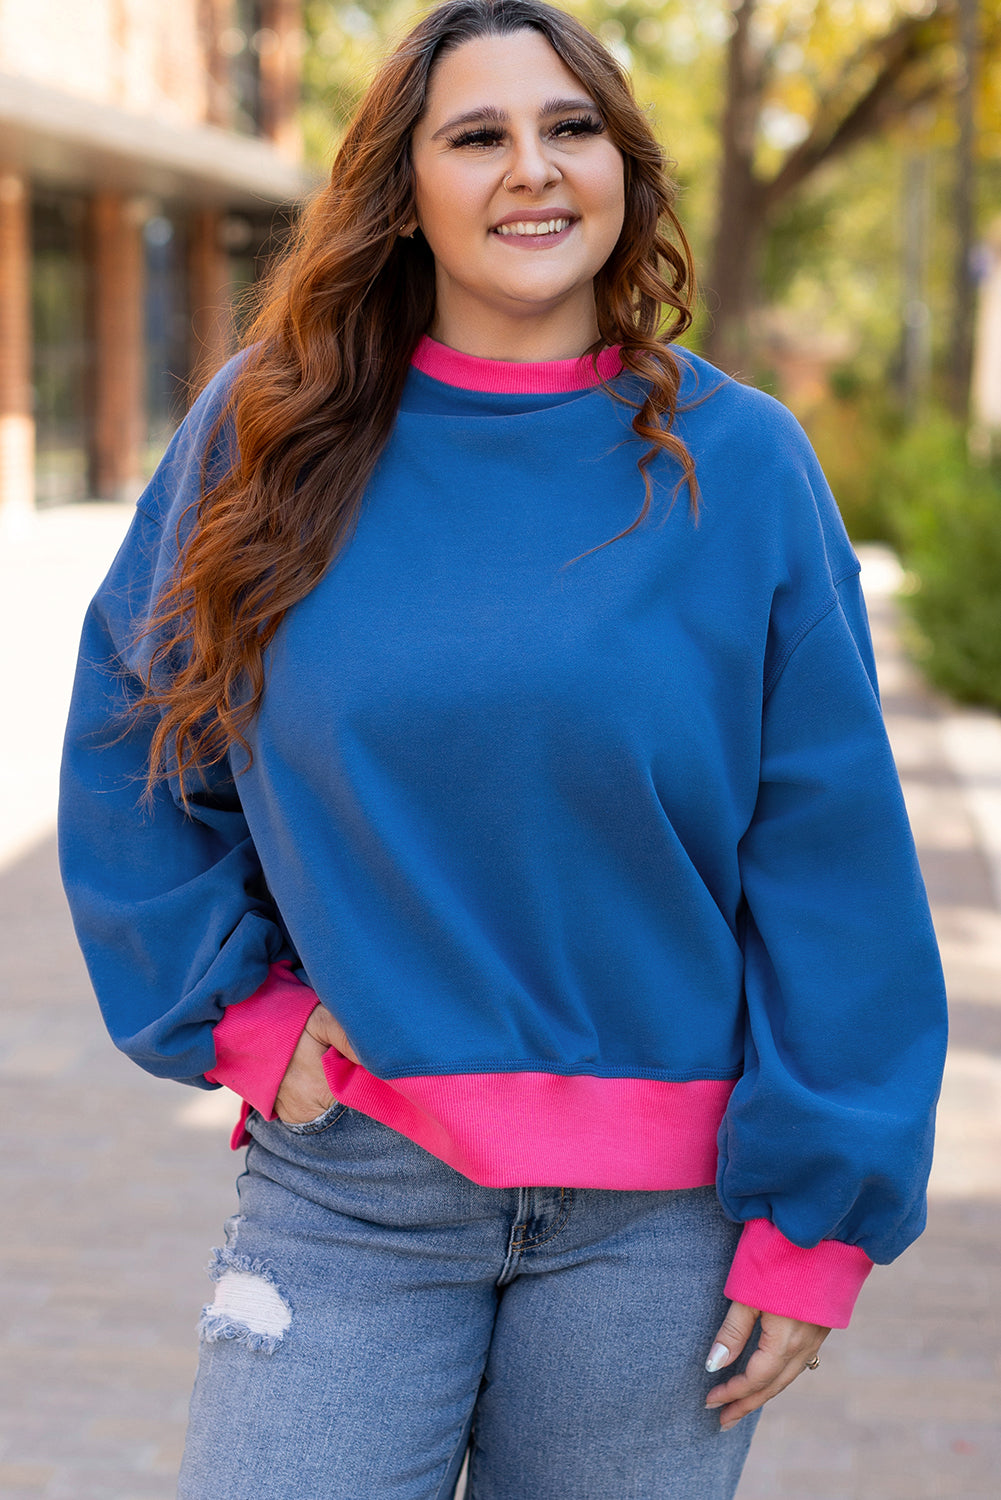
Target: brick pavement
(115, 1185)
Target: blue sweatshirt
(599, 857)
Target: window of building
(167, 322)
(62, 353)
(241, 44)
(252, 240)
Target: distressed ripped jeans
(376, 1312)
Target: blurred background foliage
(839, 166)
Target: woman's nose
(532, 167)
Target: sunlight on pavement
(50, 567)
(972, 739)
(968, 1140)
(882, 574)
(969, 940)
(217, 1110)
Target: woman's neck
(488, 333)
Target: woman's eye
(476, 138)
(569, 129)
(583, 125)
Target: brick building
(149, 156)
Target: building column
(119, 366)
(17, 428)
(210, 292)
(280, 73)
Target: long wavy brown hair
(315, 395)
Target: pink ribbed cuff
(816, 1285)
(255, 1039)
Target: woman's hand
(305, 1094)
(785, 1349)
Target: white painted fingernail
(718, 1356)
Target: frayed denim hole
(248, 1305)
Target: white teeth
(528, 226)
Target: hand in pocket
(305, 1094)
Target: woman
(521, 840)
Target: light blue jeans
(376, 1312)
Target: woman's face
(520, 194)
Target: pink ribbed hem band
(503, 376)
(545, 1130)
(818, 1284)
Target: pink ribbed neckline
(506, 376)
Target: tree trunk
(964, 293)
(881, 84)
(733, 282)
(914, 367)
(733, 272)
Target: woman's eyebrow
(499, 116)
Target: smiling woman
(519, 192)
(538, 877)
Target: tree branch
(901, 50)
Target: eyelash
(578, 125)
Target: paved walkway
(116, 1184)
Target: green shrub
(916, 488)
(850, 430)
(945, 515)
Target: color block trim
(546, 1130)
(254, 1040)
(471, 373)
(818, 1284)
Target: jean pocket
(329, 1117)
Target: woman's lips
(531, 234)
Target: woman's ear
(408, 230)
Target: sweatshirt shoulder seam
(809, 624)
(150, 515)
